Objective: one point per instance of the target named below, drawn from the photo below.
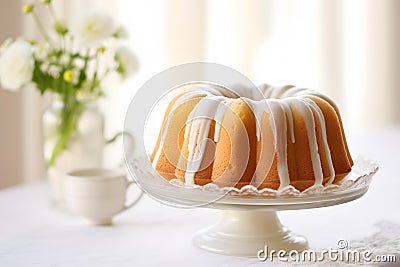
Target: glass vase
(84, 148)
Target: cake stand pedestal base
(244, 233)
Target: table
(150, 234)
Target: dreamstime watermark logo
(342, 253)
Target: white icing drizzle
(259, 107)
(219, 115)
(266, 90)
(278, 103)
(279, 130)
(308, 116)
(292, 91)
(277, 92)
(324, 138)
(289, 115)
(196, 148)
(185, 97)
(280, 133)
(208, 109)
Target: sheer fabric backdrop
(347, 49)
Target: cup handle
(129, 150)
(127, 206)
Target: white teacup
(97, 194)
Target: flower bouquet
(72, 62)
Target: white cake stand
(250, 220)
(247, 227)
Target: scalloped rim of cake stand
(287, 203)
(354, 185)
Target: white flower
(16, 65)
(44, 67)
(42, 51)
(92, 27)
(79, 63)
(71, 76)
(64, 59)
(5, 45)
(54, 71)
(128, 63)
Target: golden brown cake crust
(226, 163)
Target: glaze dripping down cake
(272, 138)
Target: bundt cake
(272, 138)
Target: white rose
(92, 27)
(16, 65)
(128, 63)
(5, 45)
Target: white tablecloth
(151, 234)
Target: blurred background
(346, 49)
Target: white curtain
(347, 49)
(20, 137)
